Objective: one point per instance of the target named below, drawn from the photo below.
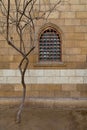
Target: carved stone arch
(50, 25)
(50, 43)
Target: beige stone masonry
(72, 22)
(81, 15)
(75, 36)
(82, 29)
(74, 51)
(67, 15)
(75, 44)
(65, 76)
(68, 87)
(74, 1)
(78, 7)
(71, 19)
(53, 15)
(83, 1)
(74, 58)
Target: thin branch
(53, 8)
(27, 3)
(5, 10)
(8, 12)
(11, 44)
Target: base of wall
(60, 103)
(45, 90)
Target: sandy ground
(35, 118)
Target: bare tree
(25, 14)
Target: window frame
(55, 28)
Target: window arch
(50, 45)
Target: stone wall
(65, 79)
(69, 83)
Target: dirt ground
(43, 119)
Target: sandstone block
(81, 15)
(67, 15)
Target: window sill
(49, 64)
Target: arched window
(50, 45)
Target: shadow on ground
(43, 119)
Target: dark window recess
(50, 46)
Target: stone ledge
(64, 103)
